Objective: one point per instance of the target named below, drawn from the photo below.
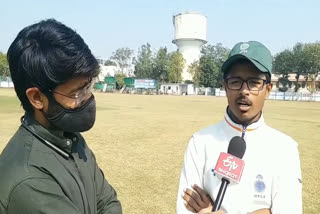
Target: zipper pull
(244, 128)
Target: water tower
(190, 35)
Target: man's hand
(262, 211)
(198, 201)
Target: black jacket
(61, 176)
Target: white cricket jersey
(271, 177)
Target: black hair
(48, 54)
(241, 62)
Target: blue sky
(108, 25)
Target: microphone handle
(220, 196)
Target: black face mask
(71, 120)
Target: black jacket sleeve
(36, 196)
(107, 202)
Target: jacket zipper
(244, 128)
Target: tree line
(303, 59)
(4, 67)
(168, 67)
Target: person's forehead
(245, 70)
(74, 84)
(78, 80)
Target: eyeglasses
(254, 84)
(80, 96)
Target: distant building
(112, 70)
(306, 83)
(107, 71)
(6, 82)
(176, 89)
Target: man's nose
(244, 90)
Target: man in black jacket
(47, 166)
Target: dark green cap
(253, 51)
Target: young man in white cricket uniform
(271, 179)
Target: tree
(209, 72)
(211, 60)
(312, 56)
(290, 61)
(299, 63)
(283, 65)
(194, 70)
(161, 65)
(123, 58)
(285, 84)
(176, 65)
(110, 63)
(144, 63)
(4, 66)
(303, 59)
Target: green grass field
(139, 142)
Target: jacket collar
(242, 128)
(59, 139)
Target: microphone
(229, 167)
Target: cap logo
(244, 48)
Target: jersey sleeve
(287, 186)
(192, 173)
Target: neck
(244, 123)
(39, 117)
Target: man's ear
(268, 90)
(36, 98)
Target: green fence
(129, 82)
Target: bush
(120, 80)
(296, 86)
(283, 89)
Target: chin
(249, 117)
(244, 116)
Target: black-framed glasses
(253, 83)
(80, 96)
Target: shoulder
(284, 149)
(209, 131)
(209, 134)
(206, 137)
(14, 163)
(279, 138)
